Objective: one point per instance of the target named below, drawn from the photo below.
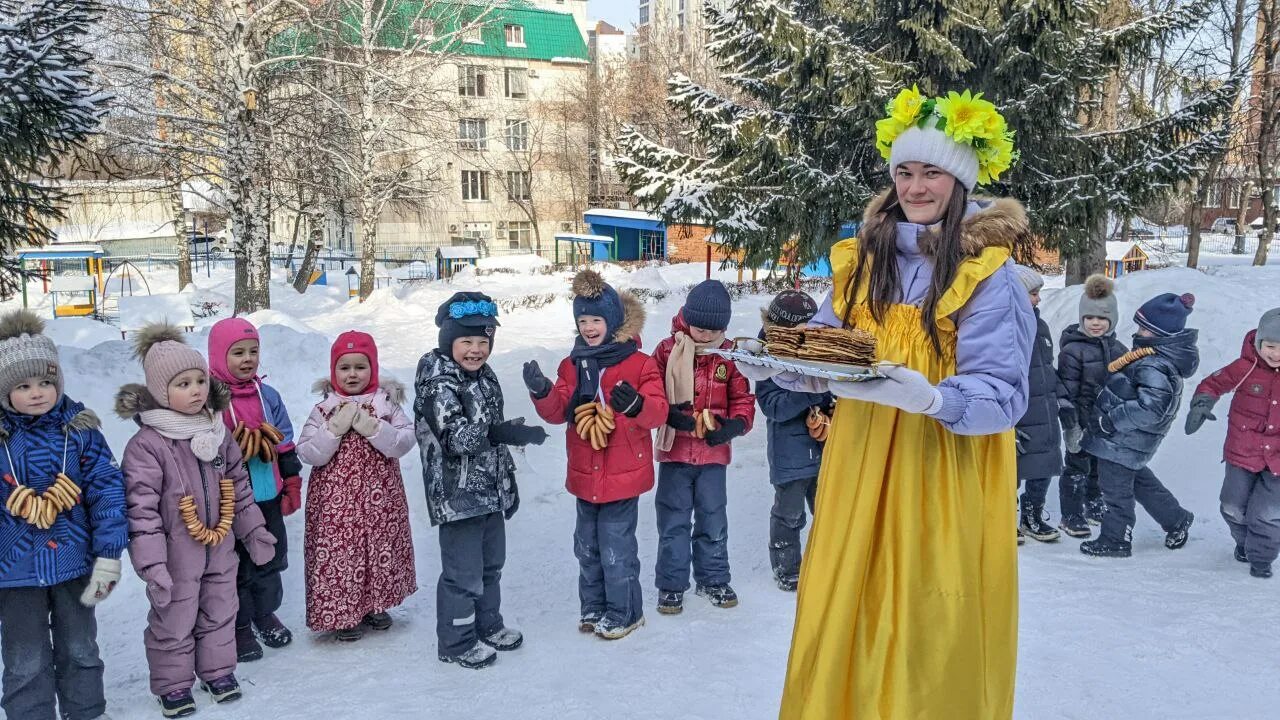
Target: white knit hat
(932, 146)
(1030, 279)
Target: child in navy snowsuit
(693, 519)
(1084, 352)
(470, 478)
(1251, 490)
(1132, 415)
(61, 533)
(1039, 438)
(795, 448)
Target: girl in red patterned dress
(358, 551)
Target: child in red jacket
(611, 396)
(1251, 490)
(693, 452)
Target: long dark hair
(877, 247)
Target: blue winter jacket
(1138, 404)
(34, 448)
(793, 455)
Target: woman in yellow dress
(907, 602)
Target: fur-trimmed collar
(134, 398)
(633, 316)
(392, 387)
(997, 222)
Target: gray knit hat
(1099, 299)
(1268, 328)
(25, 353)
(164, 353)
(1030, 279)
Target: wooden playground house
(73, 295)
(584, 249)
(453, 258)
(1124, 258)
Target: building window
(472, 35)
(519, 235)
(471, 81)
(519, 185)
(1234, 195)
(425, 28)
(1213, 198)
(644, 14)
(514, 34)
(475, 185)
(517, 134)
(473, 134)
(517, 83)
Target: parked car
(202, 245)
(1224, 225)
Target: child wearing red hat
(357, 548)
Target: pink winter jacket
(159, 472)
(316, 445)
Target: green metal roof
(548, 35)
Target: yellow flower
(888, 130)
(968, 116)
(994, 158)
(905, 108)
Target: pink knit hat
(222, 336)
(165, 354)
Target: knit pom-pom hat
(165, 354)
(25, 352)
(593, 296)
(1165, 315)
(1099, 300)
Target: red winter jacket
(1253, 423)
(624, 469)
(718, 385)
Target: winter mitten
(678, 417)
(1067, 415)
(626, 399)
(341, 419)
(291, 495)
(102, 580)
(261, 545)
(901, 387)
(728, 429)
(515, 505)
(537, 383)
(1201, 410)
(1071, 436)
(756, 372)
(515, 432)
(365, 424)
(1020, 441)
(159, 586)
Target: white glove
(103, 579)
(1073, 435)
(365, 424)
(340, 420)
(756, 372)
(901, 387)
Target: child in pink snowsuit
(178, 537)
(357, 549)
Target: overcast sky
(621, 14)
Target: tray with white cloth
(750, 351)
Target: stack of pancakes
(832, 345)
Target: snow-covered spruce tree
(47, 106)
(805, 68)
(785, 157)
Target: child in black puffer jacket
(1085, 351)
(1132, 415)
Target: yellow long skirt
(908, 596)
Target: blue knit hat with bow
(466, 314)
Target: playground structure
(72, 295)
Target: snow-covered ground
(1183, 634)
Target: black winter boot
(1094, 509)
(1075, 526)
(176, 704)
(1177, 537)
(722, 596)
(670, 602)
(378, 620)
(1102, 547)
(273, 632)
(1033, 523)
(1240, 556)
(247, 647)
(1260, 569)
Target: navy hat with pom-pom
(1165, 315)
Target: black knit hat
(791, 308)
(466, 314)
(708, 306)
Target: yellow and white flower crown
(965, 118)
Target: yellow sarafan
(908, 603)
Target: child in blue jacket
(61, 533)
